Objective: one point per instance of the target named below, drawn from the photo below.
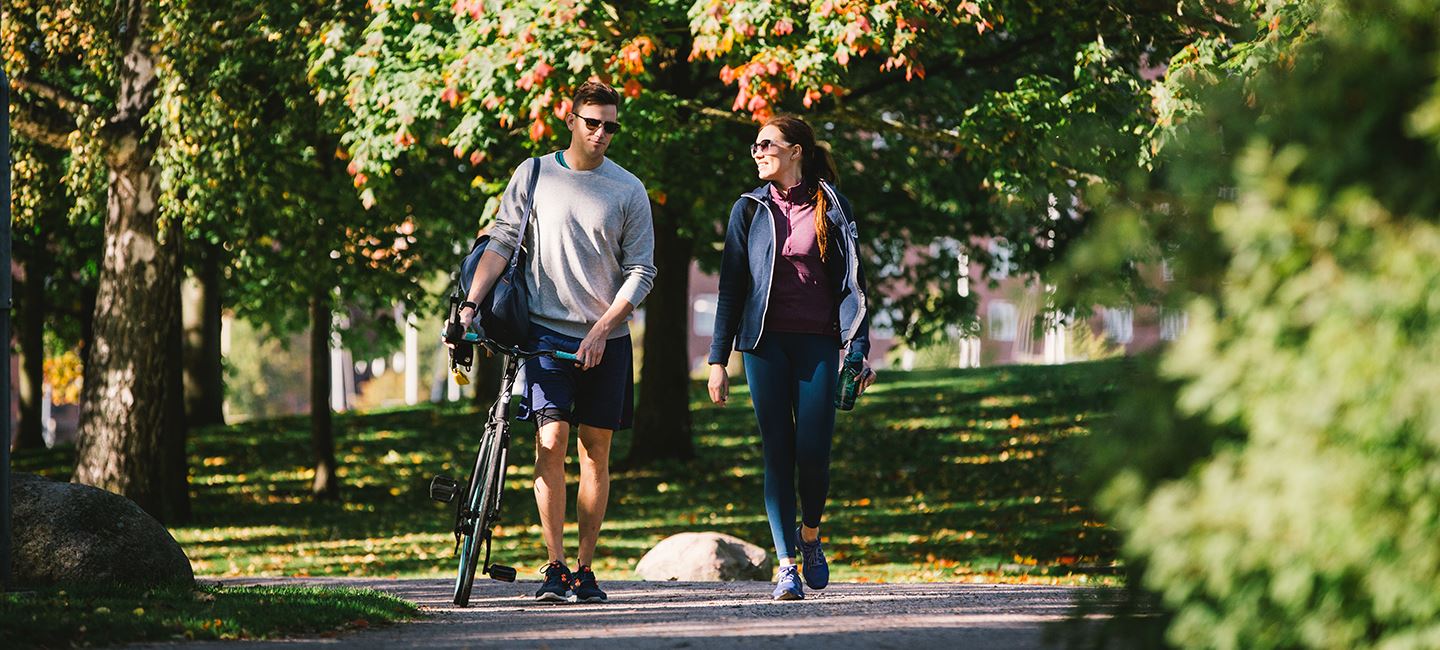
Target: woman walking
(791, 297)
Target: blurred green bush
(1278, 474)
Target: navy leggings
(792, 383)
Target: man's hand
(592, 347)
(467, 316)
(719, 384)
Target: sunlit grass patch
(937, 475)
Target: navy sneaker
(813, 564)
(787, 585)
(582, 584)
(557, 583)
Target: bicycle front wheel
(474, 521)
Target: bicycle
(479, 510)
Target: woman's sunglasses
(591, 123)
(766, 146)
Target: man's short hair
(595, 92)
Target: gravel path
(710, 615)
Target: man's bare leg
(594, 488)
(551, 442)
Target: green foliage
(937, 475)
(253, 163)
(58, 194)
(1279, 480)
(84, 616)
(56, 246)
(248, 159)
(949, 120)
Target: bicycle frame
(479, 509)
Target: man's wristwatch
(471, 305)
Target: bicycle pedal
(443, 489)
(501, 572)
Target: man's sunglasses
(591, 123)
(766, 146)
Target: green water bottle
(848, 388)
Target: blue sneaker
(556, 588)
(813, 564)
(787, 585)
(583, 587)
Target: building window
(1001, 319)
(1119, 324)
(703, 320)
(1167, 272)
(1173, 323)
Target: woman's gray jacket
(748, 263)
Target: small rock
(704, 557)
(77, 534)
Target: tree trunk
(175, 431)
(662, 417)
(89, 300)
(123, 410)
(31, 334)
(322, 434)
(204, 372)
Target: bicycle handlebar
(517, 351)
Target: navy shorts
(602, 397)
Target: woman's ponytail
(816, 165)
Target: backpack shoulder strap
(529, 202)
(747, 213)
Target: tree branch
(76, 107)
(44, 129)
(1014, 51)
(709, 111)
(882, 124)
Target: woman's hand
(719, 384)
(867, 377)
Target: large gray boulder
(705, 557)
(67, 534)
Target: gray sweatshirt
(591, 242)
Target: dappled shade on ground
(110, 614)
(937, 475)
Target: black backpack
(504, 313)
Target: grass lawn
(936, 476)
(74, 617)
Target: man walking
(591, 262)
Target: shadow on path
(711, 615)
